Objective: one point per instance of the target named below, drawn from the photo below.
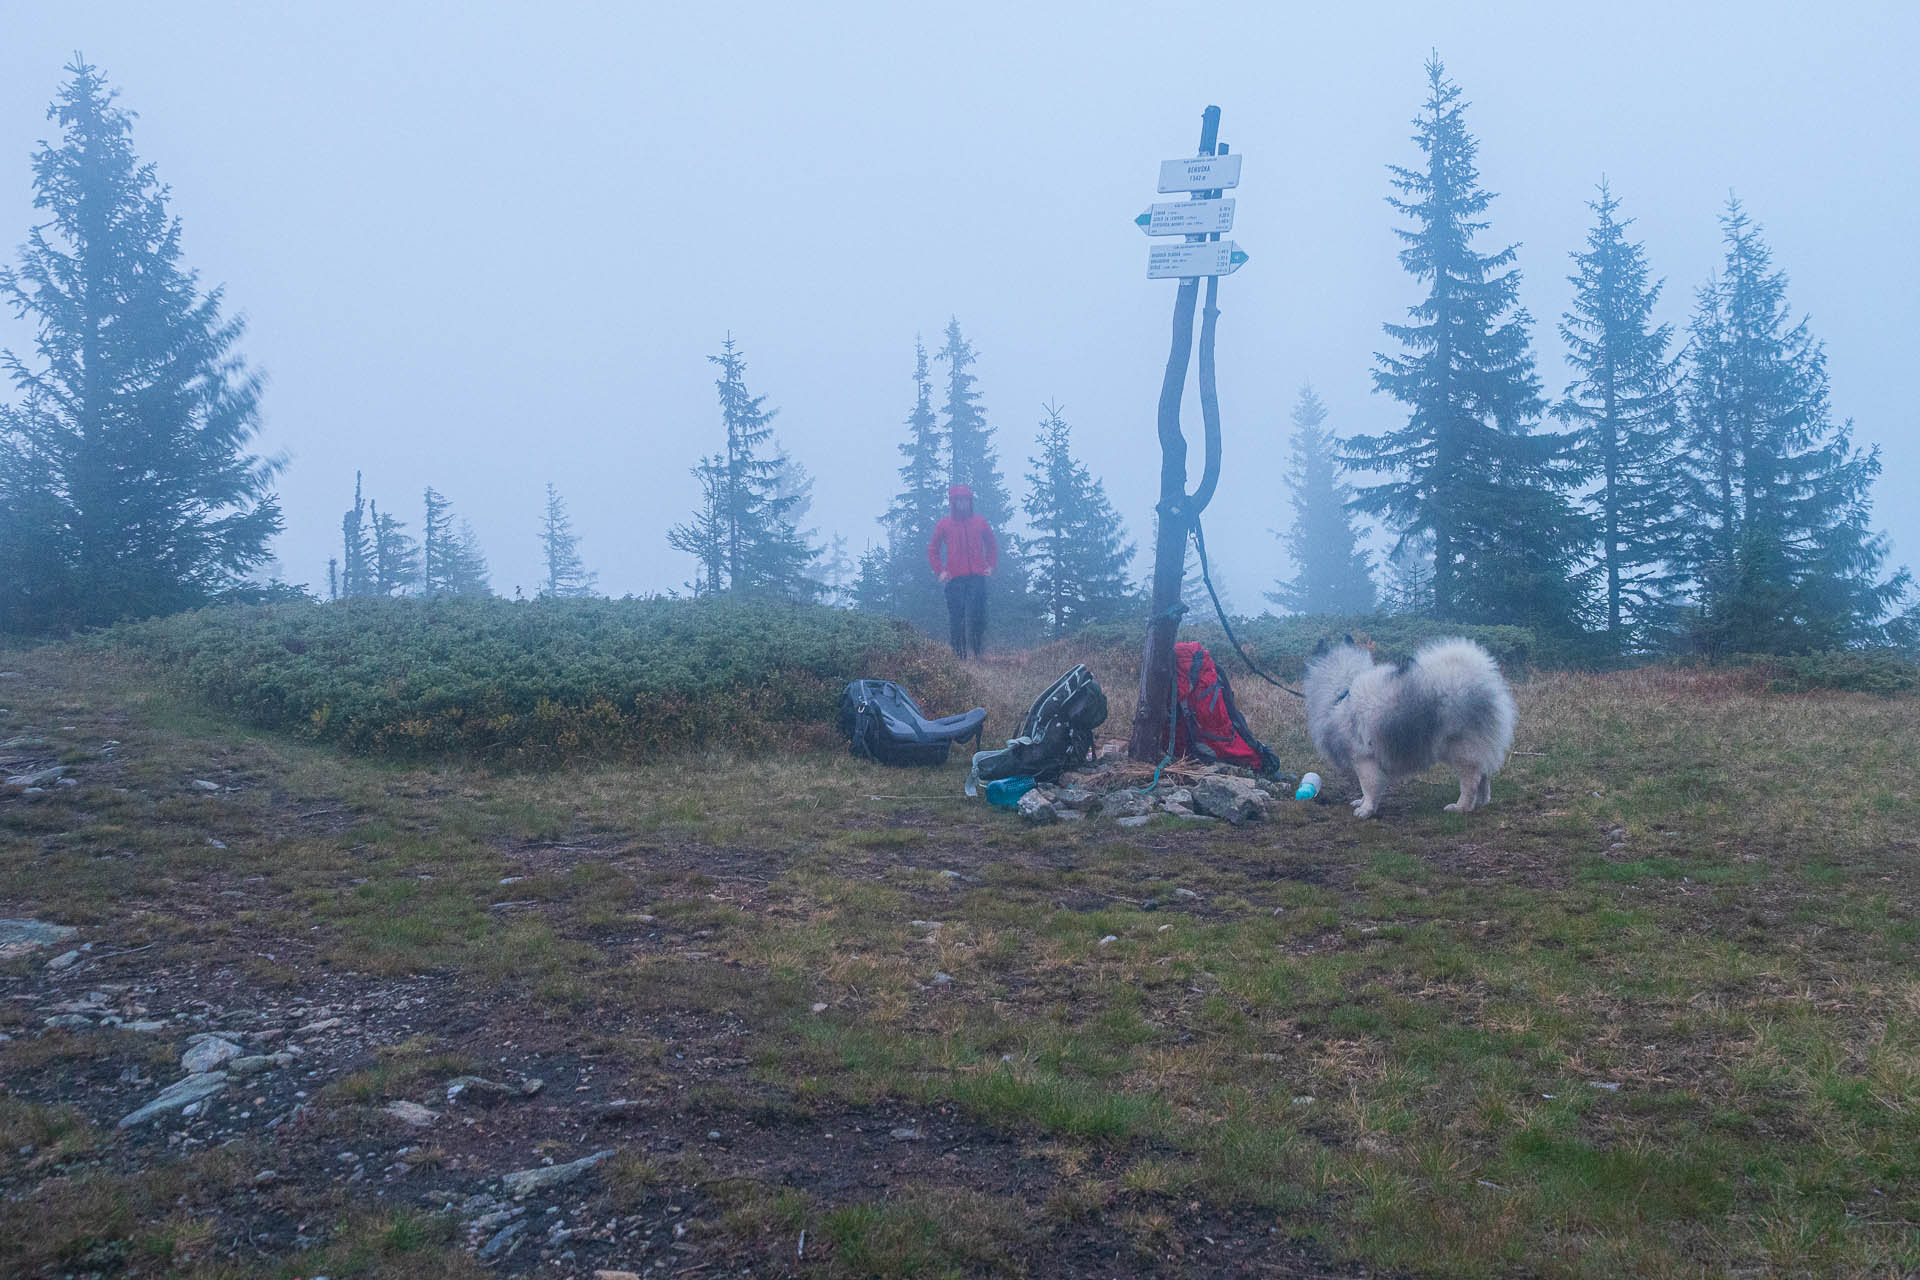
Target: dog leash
(1200, 545)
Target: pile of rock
(1218, 794)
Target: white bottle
(1309, 787)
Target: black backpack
(883, 723)
(1056, 735)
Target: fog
(485, 247)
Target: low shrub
(529, 683)
(1884, 672)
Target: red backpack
(1210, 727)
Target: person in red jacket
(961, 553)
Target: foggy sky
(485, 246)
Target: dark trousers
(967, 613)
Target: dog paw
(1456, 807)
(1365, 810)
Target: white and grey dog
(1449, 705)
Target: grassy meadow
(1654, 1012)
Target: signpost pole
(1152, 738)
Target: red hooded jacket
(970, 545)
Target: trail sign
(1187, 218)
(1188, 259)
(1200, 173)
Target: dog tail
(1478, 705)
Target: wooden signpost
(1203, 255)
(1187, 217)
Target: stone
(942, 979)
(619, 1111)
(819, 1006)
(315, 1028)
(69, 1022)
(208, 1054)
(203, 785)
(29, 933)
(1070, 815)
(38, 778)
(264, 1177)
(254, 1065)
(145, 1025)
(1180, 796)
(1177, 810)
(908, 1135)
(411, 1113)
(604, 1274)
(1236, 800)
(478, 1090)
(1073, 798)
(528, 1181)
(1186, 893)
(930, 926)
(1037, 809)
(502, 1238)
(64, 959)
(1137, 820)
(1112, 937)
(1125, 804)
(180, 1093)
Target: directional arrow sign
(1189, 258)
(1187, 218)
(1200, 173)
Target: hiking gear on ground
(967, 614)
(1209, 726)
(966, 538)
(883, 723)
(1005, 793)
(1056, 735)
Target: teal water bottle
(1005, 793)
(1309, 787)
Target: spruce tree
(1332, 572)
(1076, 549)
(356, 550)
(466, 564)
(1625, 413)
(436, 529)
(566, 576)
(1469, 467)
(35, 574)
(451, 562)
(742, 535)
(396, 557)
(1785, 556)
(135, 412)
(704, 537)
(893, 577)
(837, 573)
(1408, 588)
(973, 461)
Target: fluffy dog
(1449, 705)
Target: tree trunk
(1152, 737)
